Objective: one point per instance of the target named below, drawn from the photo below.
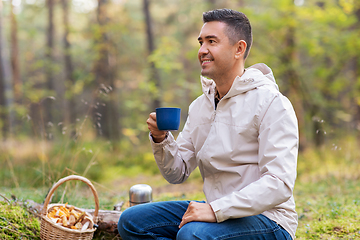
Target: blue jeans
(160, 220)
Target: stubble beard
(211, 74)
(208, 73)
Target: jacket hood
(255, 76)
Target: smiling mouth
(205, 62)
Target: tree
(49, 66)
(69, 68)
(6, 118)
(15, 56)
(105, 111)
(3, 115)
(288, 55)
(356, 70)
(328, 64)
(154, 73)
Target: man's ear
(240, 49)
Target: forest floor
(327, 209)
(326, 190)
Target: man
(242, 134)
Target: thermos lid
(140, 193)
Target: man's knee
(126, 220)
(189, 231)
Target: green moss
(17, 223)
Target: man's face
(216, 54)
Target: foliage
(322, 64)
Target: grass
(17, 223)
(328, 209)
(326, 192)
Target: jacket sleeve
(175, 159)
(277, 160)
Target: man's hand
(199, 212)
(157, 135)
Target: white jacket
(246, 149)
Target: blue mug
(168, 118)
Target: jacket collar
(255, 76)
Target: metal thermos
(140, 193)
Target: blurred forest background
(78, 78)
(104, 65)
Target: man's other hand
(199, 212)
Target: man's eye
(211, 41)
(200, 43)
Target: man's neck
(224, 84)
(223, 89)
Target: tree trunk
(15, 57)
(5, 84)
(294, 89)
(3, 115)
(357, 76)
(105, 112)
(69, 69)
(154, 73)
(48, 102)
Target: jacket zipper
(213, 116)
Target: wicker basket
(49, 230)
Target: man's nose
(203, 50)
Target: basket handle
(68, 178)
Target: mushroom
(87, 223)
